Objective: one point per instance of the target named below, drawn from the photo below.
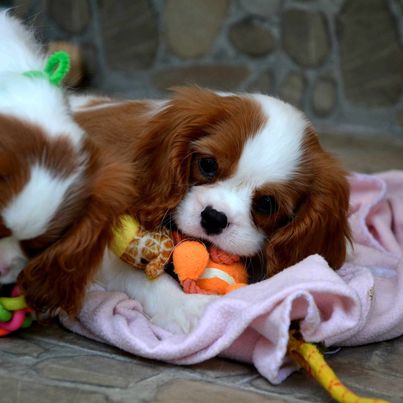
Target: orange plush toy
(203, 271)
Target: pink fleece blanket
(361, 303)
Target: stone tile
(305, 37)
(262, 8)
(13, 345)
(54, 334)
(221, 77)
(219, 368)
(400, 117)
(262, 83)
(62, 343)
(192, 26)
(251, 38)
(94, 370)
(370, 53)
(200, 392)
(324, 96)
(22, 8)
(368, 383)
(18, 390)
(299, 385)
(71, 15)
(364, 154)
(388, 357)
(17, 367)
(129, 33)
(374, 370)
(364, 369)
(292, 88)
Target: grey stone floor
(49, 364)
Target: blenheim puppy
(54, 182)
(245, 172)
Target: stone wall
(341, 61)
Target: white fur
(269, 156)
(241, 236)
(29, 213)
(34, 100)
(162, 299)
(273, 154)
(12, 260)
(18, 48)
(79, 102)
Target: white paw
(182, 315)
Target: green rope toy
(56, 69)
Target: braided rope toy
(309, 357)
(57, 67)
(14, 313)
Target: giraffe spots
(149, 251)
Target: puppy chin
(237, 239)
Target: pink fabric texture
(361, 303)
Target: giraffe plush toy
(142, 249)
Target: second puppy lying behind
(244, 172)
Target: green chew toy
(57, 67)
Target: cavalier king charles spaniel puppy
(54, 183)
(42, 169)
(244, 172)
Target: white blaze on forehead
(273, 154)
(29, 213)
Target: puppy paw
(182, 316)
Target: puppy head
(248, 174)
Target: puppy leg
(163, 300)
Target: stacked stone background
(341, 61)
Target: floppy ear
(165, 153)
(57, 277)
(320, 223)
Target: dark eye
(208, 167)
(265, 205)
(144, 261)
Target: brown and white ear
(319, 225)
(165, 154)
(58, 277)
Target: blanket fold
(361, 303)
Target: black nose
(213, 221)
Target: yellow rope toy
(311, 359)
